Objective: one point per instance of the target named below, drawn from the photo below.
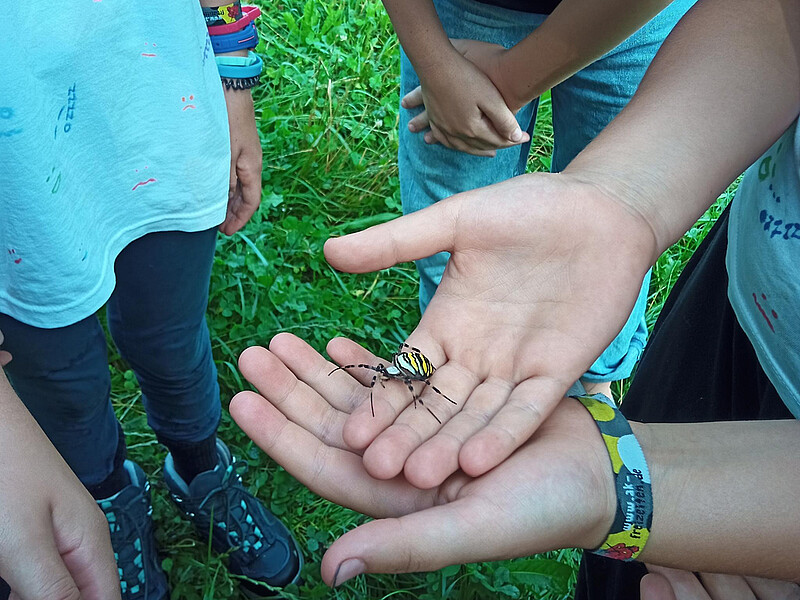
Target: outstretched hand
(543, 274)
(555, 491)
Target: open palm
(543, 273)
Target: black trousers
(699, 366)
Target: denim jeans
(156, 316)
(582, 106)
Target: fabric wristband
(240, 84)
(634, 515)
(251, 13)
(239, 40)
(219, 15)
(240, 67)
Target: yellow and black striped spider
(406, 367)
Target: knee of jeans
(180, 363)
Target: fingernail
(347, 570)
(516, 136)
(411, 127)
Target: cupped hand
(555, 491)
(244, 191)
(662, 583)
(463, 109)
(54, 540)
(544, 271)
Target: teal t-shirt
(764, 263)
(112, 125)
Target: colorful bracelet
(634, 515)
(244, 39)
(219, 15)
(251, 13)
(240, 67)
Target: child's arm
(464, 110)
(244, 189)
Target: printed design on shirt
(765, 311)
(150, 51)
(7, 114)
(774, 226)
(54, 179)
(188, 103)
(67, 112)
(144, 181)
(14, 256)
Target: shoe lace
(128, 536)
(228, 506)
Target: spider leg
(404, 345)
(430, 411)
(379, 368)
(371, 387)
(438, 391)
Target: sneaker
(259, 546)
(129, 518)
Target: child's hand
(244, 193)
(54, 540)
(539, 282)
(555, 491)
(463, 109)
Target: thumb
(417, 235)
(423, 541)
(504, 122)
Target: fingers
(655, 587)
(296, 399)
(412, 99)
(333, 473)
(437, 459)
(417, 235)
(663, 583)
(771, 589)
(528, 406)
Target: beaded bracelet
(219, 15)
(240, 67)
(634, 516)
(239, 83)
(251, 13)
(239, 40)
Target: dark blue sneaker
(259, 545)
(129, 515)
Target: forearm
(726, 497)
(577, 33)
(723, 87)
(420, 32)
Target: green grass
(327, 115)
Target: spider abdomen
(414, 365)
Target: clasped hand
(463, 107)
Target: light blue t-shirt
(764, 263)
(112, 125)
